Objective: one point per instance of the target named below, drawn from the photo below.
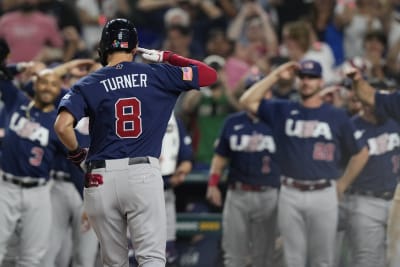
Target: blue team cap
(310, 68)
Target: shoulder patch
(187, 74)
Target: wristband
(213, 180)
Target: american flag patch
(124, 44)
(187, 73)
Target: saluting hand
(154, 55)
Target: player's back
(129, 106)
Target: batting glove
(154, 55)
(77, 156)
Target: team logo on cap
(308, 65)
(118, 44)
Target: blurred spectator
(65, 13)
(176, 16)
(357, 17)
(218, 43)
(31, 34)
(290, 10)
(179, 39)
(323, 23)
(394, 23)
(204, 15)
(253, 32)
(375, 48)
(299, 43)
(69, 23)
(93, 15)
(206, 110)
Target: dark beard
(305, 97)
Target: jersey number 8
(128, 123)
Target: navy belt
(98, 164)
(386, 195)
(24, 184)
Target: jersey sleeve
(185, 148)
(74, 102)
(10, 94)
(350, 143)
(268, 110)
(177, 79)
(387, 105)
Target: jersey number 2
(128, 123)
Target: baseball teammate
(128, 105)
(312, 137)
(385, 105)
(175, 164)
(247, 147)
(30, 144)
(370, 195)
(67, 209)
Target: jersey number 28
(128, 123)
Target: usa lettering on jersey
(125, 81)
(307, 129)
(383, 143)
(29, 129)
(252, 143)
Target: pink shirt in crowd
(27, 34)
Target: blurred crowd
(244, 40)
(239, 38)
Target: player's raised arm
(386, 105)
(251, 99)
(207, 75)
(364, 91)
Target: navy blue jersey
(387, 105)
(129, 106)
(249, 145)
(383, 140)
(30, 141)
(311, 141)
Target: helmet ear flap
(102, 57)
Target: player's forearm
(64, 129)
(257, 91)
(218, 164)
(364, 91)
(184, 167)
(354, 167)
(207, 75)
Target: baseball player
(30, 144)
(129, 105)
(370, 196)
(67, 209)
(386, 105)
(312, 137)
(176, 163)
(247, 147)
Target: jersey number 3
(128, 123)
